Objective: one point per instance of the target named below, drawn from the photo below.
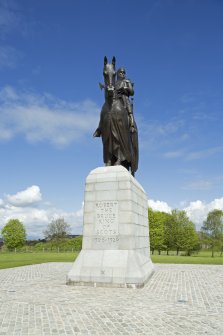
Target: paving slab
(178, 299)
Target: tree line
(56, 236)
(168, 232)
(175, 231)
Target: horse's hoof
(118, 162)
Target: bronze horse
(119, 135)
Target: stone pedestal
(115, 251)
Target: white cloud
(198, 185)
(198, 210)
(204, 153)
(187, 171)
(170, 127)
(174, 154)
(154, 133)
(45, 118)
(80, 212)
(27, 197)
(160, 206)
(194, 155)
(9, 17)
(5, 134)
(29, 207)
(9, 57)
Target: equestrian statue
(117, 126)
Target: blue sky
(51, 59)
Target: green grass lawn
(11, 260)
(201, 258)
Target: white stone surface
(115, 249)
(179, 299)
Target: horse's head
(109, 76)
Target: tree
(179, 222)
(14, 234)
(190, 240)
(184, 233)
(213, 229)
(169, 235)
(57, 230)
(157, 229)
(180, 233)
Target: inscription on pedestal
(106, 223)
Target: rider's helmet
(121, 73)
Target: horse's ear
(113, 61)
(105, 60)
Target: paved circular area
(178, 299)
